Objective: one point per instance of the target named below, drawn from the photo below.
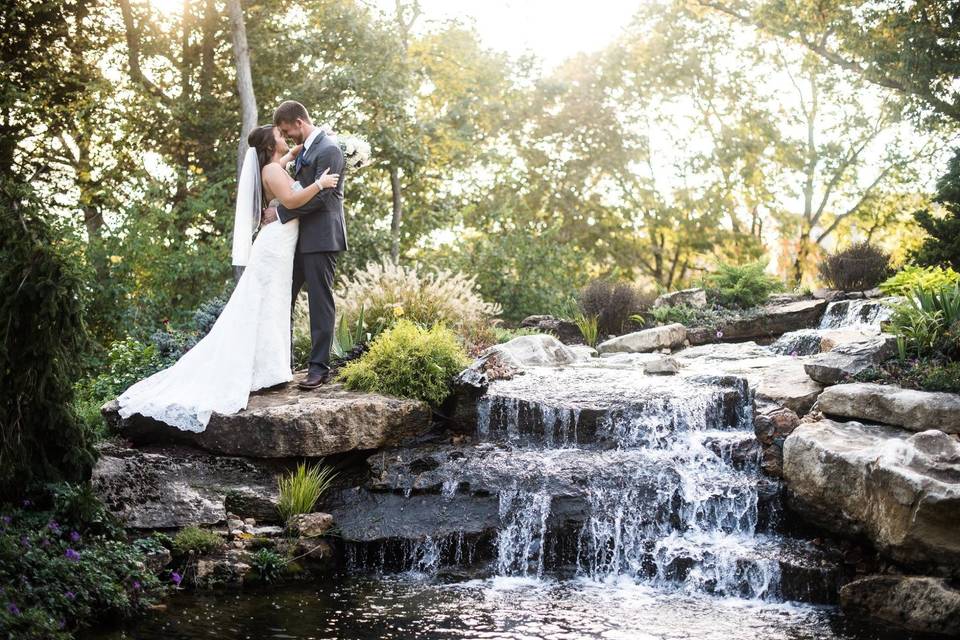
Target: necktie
(299, 160)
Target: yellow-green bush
(410, 362)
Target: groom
(323, 234)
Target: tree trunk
(397, 214)
(248, 100)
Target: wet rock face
(286, 422)
(567, 332)
(668, 336)
(914, 603)
(168, 487)
(772, 424)
(900, 490)
(848, 360)
(907, 408)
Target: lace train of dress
(247, 349)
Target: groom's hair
(289, 111)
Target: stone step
(285, 422)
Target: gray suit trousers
(317, 271)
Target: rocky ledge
(900, 490)
(907, 408)
(285, 422)
(914, 603)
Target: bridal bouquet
(356, 151)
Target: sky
(553, 30)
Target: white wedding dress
(247, 349)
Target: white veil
(249, 199)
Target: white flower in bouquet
(356, 151)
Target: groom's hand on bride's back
(269, 215)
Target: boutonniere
(292, 168)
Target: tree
(248, 99)
(912, 48)
(43, 339)
(942, 247)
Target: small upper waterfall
(863, 315)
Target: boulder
(286, 422)
(168, 487)
(584, 351)
(900, 490)
(696, 298)
(668, 336)
(664, 366)
(309, 525)
(568, 332)
(536, 351)
(914, 603)
(769, 322)
(848, 360)
(907, 408)
(789, 385)
(772, 423)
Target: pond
(407, 606)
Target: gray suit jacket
(322, 227)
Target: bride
(248, 347)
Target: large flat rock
(286, 422)
(668, 336)
(536, 351)
(789, 386)
(907, 408)
(772, 321)
(900, 490)
(847, 360)
(175, 486)
(914, 603)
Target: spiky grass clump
(300, 489)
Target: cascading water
(604, 473)
(863, 315)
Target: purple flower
(14, 609)
(176, 578)
(6, 519)
(25, 541)
(53, 526)
(75, 536)
(719, 334)
(136, 585)
(794, 354)
(70, 595)
(71, 554)
(27, 503)
(44, 543)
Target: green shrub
(859, 267)
(384, 294)
(941, 247)
(911, 277)
(199, 541)
(612, 303)
(741, 286)
(268, 564)
(668, 314)
(409, 362)
(60, 572)
(928, 321)
(42, 343)
(923, 374)
(300, 489)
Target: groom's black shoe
(315, 379)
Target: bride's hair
(263, 141)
